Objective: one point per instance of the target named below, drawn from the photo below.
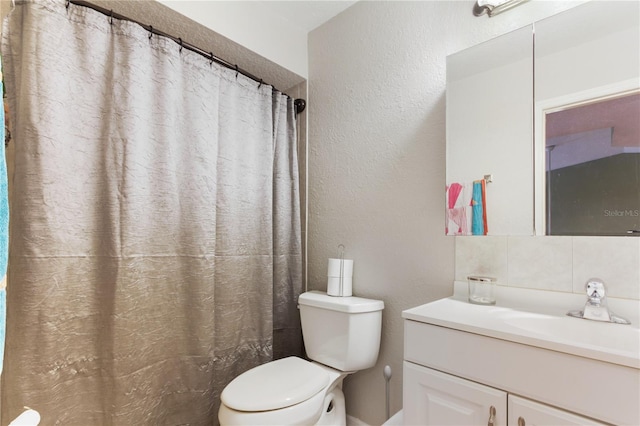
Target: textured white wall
(252, 25)
(206, 24)
(377, 159)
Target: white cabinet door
(524, 412)
(434, 398)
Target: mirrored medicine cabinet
(552, 112)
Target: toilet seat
(275, 385)
(304, 414)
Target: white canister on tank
(340, 277)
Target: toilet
(341, 336)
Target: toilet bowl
(341, 336)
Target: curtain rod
(299, 103)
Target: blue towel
(477, 221)
(4, 227)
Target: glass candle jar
(482, 290)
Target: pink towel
(458, 201)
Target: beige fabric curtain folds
(155, 234)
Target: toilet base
(334, 410)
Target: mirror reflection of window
(593, 167)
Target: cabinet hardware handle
(521, 421)
(492, 415)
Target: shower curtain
(155, 236)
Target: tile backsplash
(553, 263)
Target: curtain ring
(260, 84)
(180, 44)
(237, 71)
(111, 17)
(211, 59)
(150, 31)
(67, 3)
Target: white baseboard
(354, 421)
(395, 420)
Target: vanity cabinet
(436, 398)
(455, 377)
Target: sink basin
(617, 337)
(538, 318)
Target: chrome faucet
(596, 307)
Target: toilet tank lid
(349, 304)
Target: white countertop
(538, 318)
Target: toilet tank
(341, 332)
